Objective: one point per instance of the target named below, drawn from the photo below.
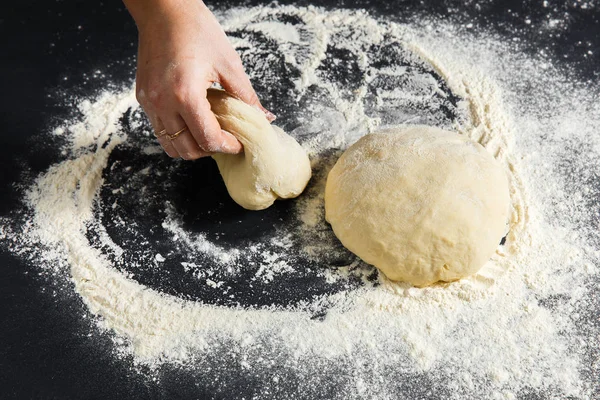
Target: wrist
(156, 13)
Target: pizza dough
(273, 165)
(421, 204)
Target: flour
(199, 242)
(523, 325)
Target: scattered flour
(526, 324)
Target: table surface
(48, 47)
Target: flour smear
(526, 325)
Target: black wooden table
(48, 47)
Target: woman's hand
(182, 51)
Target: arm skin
(182, 51)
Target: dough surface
(273, 165)
(421, 204)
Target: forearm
(146, 12)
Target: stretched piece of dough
(272, 166)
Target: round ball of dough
(421, 204)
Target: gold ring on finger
(160, 133)
(179, 132)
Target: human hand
(182, 51)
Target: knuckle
(155, 102)
(154, 95)
(181, 94)
(140, 96)
(184, 90)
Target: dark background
(56, 46)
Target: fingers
(158, 127)
(235, 81)
(206, 129)
(165, 125)
(168, 147)
(183, 143)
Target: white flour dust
(527, 324)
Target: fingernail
(270, 116)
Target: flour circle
(421, 204)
